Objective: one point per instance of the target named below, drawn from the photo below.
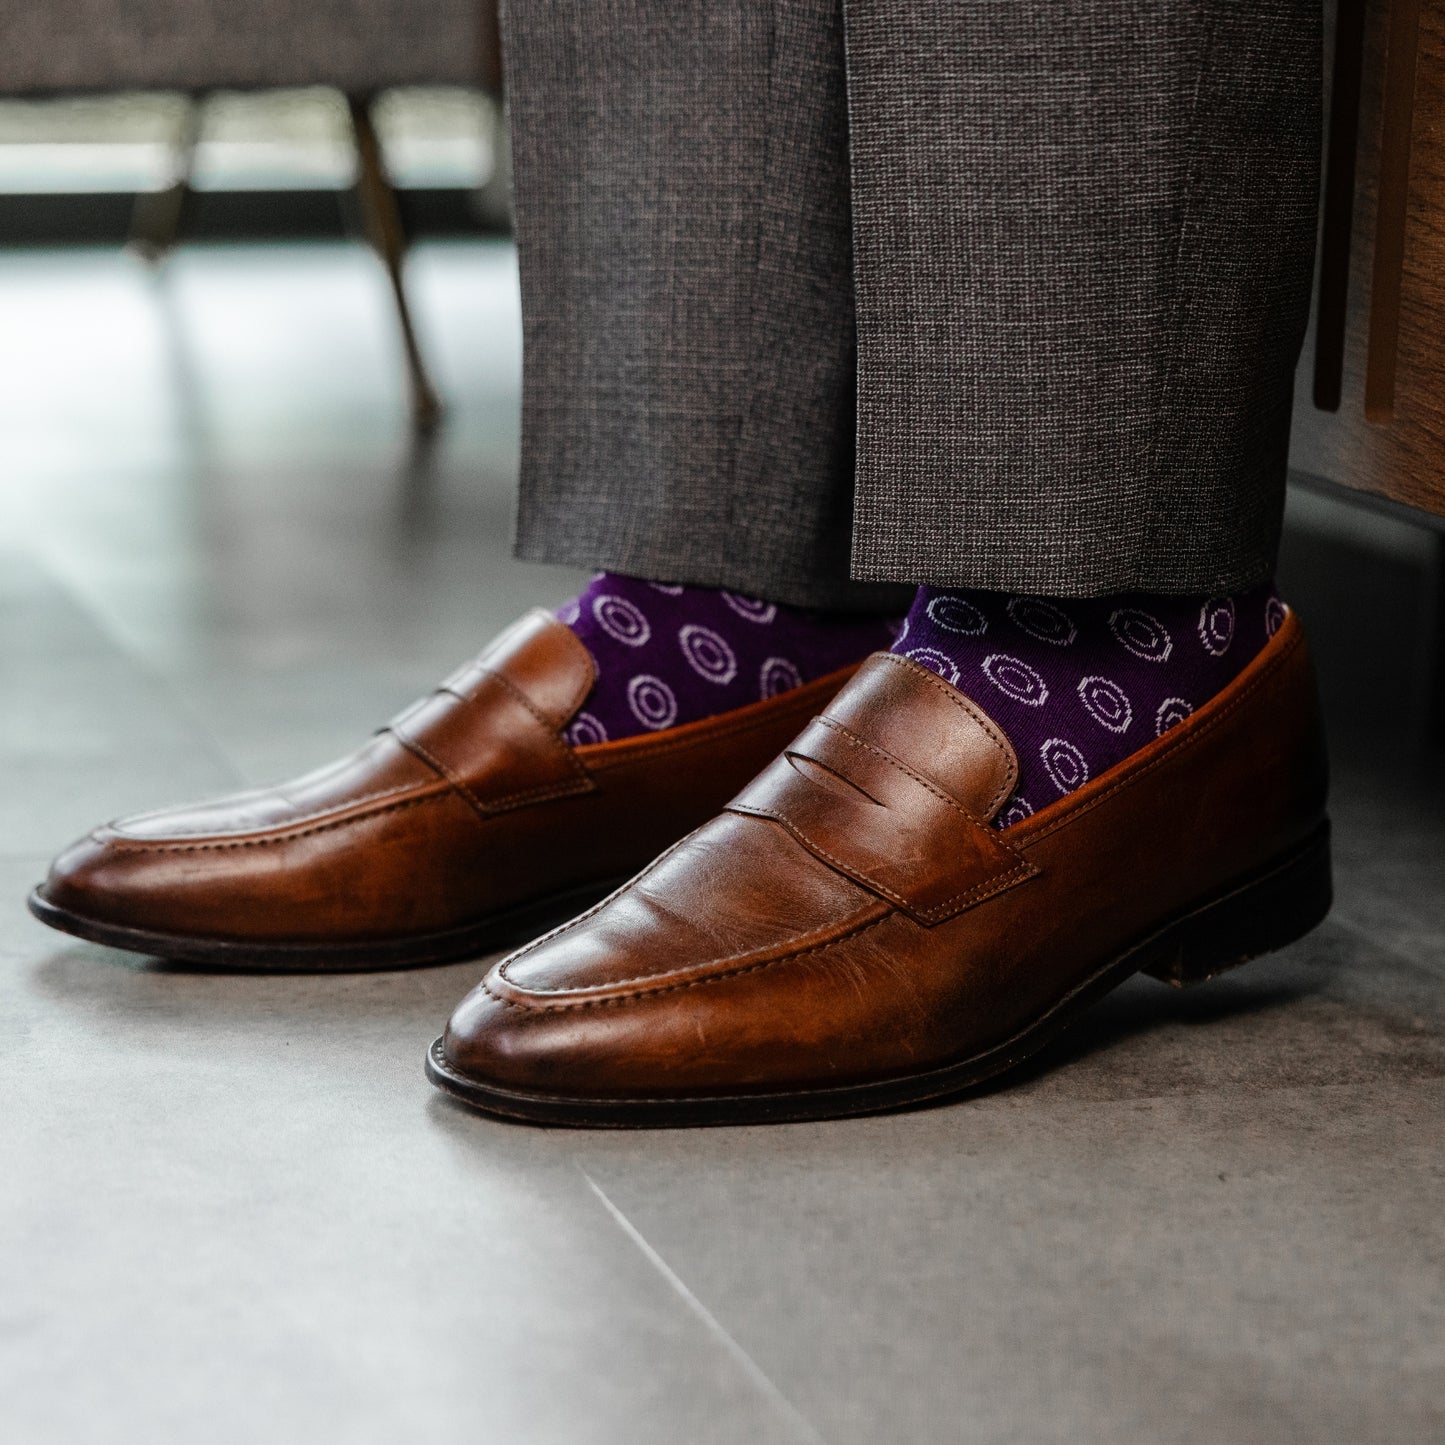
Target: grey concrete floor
(232, 1210)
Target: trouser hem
(657, 564)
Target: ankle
(1080, 684)
(669, 654)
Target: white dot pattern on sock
(586, 729)
(777, 675)
(1065, 764)
(939, 662)
(1013, 677)
(750, 609)
(669, 654)
(708, 654)
(1216, 625)
(1042, 620)
(954, 614)
(621, 620)
(1082, 684)
(1106, 702)
(1171, 711)
(652, 701)
(1142, 633)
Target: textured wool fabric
(1076, 362)
(668, 654)
(681, 189)
(1081, 242)
(1079, 685)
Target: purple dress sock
(1080, 685)
(668, 654)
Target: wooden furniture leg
(157, 216)
(388, 236)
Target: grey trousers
(821, 297)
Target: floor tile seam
(759, 1379)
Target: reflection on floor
(233, 1208)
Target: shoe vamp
(737, 890)
(380, 772)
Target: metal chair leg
(157, 216)
(383, 223)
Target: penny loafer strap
(493, 729)
(868, 815)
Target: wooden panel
(1402, 457)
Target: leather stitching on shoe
(348, 806)
(790, 956)
(958, 699)
(854, 740)
(134, 846)
(997, 884)
(581, 782)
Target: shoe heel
(1258, 917)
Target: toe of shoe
(643, 1048)
(90, 878)
(492, 1042)
(108, 878)
(567, 1051)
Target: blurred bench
(359, 47)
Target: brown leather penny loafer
(852, 935)
(467, 824)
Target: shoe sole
(1270, 909)
(506, 929)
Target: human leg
(1102, 407)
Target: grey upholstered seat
(58, 46)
